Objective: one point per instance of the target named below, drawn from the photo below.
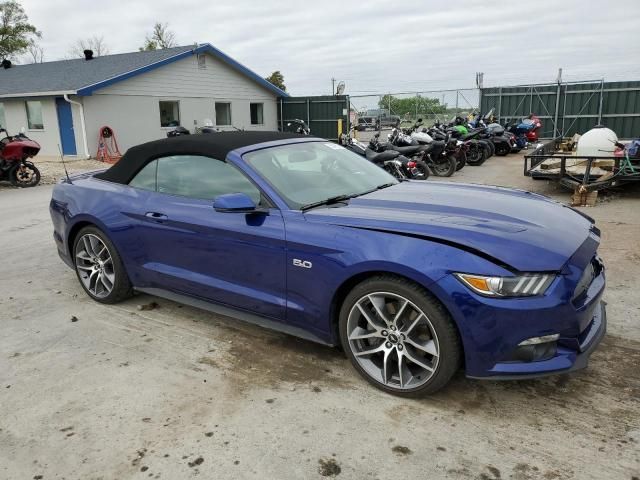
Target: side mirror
(235, 203)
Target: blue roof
(83, 77)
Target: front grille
(592, 271)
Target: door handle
(158, 217)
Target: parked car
(413, 279)
(378, 119)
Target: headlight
(526, 285)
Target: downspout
(85, 144)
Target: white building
(140, 95)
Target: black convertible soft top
(215, 145)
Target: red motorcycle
(14, 164)
(532, 135)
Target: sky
(374, 46)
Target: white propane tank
(597, 142)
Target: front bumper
(566, 359)
(492, 329)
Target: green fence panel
(578, 108)
(321, 113)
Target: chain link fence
(384, 110)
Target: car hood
(525, 231)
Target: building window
(256, 113)
(223, 114)
(34, 115)
(169, 114)
(2, 119)
(202, 61)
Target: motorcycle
(14, 164)
(437, 155)
(298, 126)
(412, 168)
(178, 132)
(535, 125)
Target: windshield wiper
(379, 187)
(327, 201)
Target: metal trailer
(624, 170)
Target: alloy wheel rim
(95, 266)
(25, 175)
(393, 340)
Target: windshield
(306, 173)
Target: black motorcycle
(413, 166)
(435, 154)
(298, 126)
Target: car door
(236, 259)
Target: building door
(65, 125)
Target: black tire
(444, 167)
(461, 161)
(423, 170)
(446, 333)
(502, 149)
(476, 156)
(24, 175)
(122, 288)
(492, 148)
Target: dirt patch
(196, 462)
(328, 467)
(401, 450)
(277, 359)
(208, 361)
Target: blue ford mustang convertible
(414, 280)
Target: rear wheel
(398, 337)
(476, 156)
(502, 149)
(443, 166)
(422, 171)
(99, 267)
(24, 175)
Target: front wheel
(24, 175)
(443, 166)
(461, 161)
(99, 267)
(398, 337)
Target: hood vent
(88, 54)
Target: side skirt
(234, 313)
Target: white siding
(131, 107)
(16, 117)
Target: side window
(169, 114)
(223, 113)
(256, 110)
(201, 177)
(145, 179)
(34, 115)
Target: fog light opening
(540, 340)
(536, 349)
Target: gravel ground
(138, 390)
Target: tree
(277, 79)
(160, 38)
(16, 34)
(36, 53)
(412, 105)
(95, 43)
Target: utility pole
(333, 86)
